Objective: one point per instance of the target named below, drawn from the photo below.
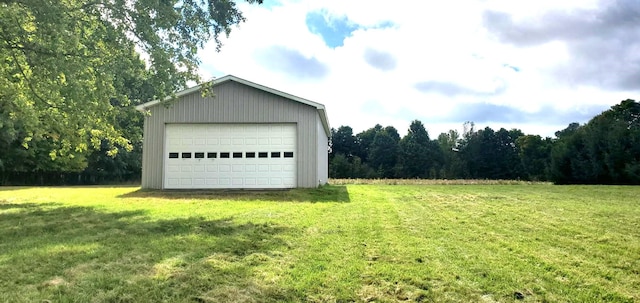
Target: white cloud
(446, 42)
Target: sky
(532, 65)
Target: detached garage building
(243, 136)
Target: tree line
(606, 150)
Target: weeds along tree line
(606, 150)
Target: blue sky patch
(332, 29)
(271, 3)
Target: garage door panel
(289, 142)
(275, 168)
(230, 156)
(275, 181)
(289, 181)
(174, 142)
(276, 142)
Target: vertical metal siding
(323, 153)
(235, 103)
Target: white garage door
(230, 156)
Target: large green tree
(606, 150)
(383, 152)
(534, 153)
(492, 155)
(419, 156)
(452, 165)
(61, 63)
(343, 142)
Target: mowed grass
(339, 243)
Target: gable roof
(319, 107)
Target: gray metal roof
(319, 107)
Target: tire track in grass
(327, 257)
(427, 218)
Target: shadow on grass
(17, 206)
(328, 193)
(65, 254)
(9, 188)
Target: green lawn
(340, 243)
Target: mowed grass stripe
(383, 243)
(507, 242)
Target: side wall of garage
(233, 103)
(322, 153)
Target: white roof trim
(321, 109)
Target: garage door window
(250, 155)
(212, 155)
(263, 155)
(224, 155)
(173, 155)
(199, 155)
(237, 155)
(275, 154)
(186, 155)
(288, 154)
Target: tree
(534, 153)
(452, 165)
(27, 166)
(365, 140)
(569, 160)
(343, 142)
(606, 150)
(60, 64)
(492, 155)
(418, 156)
(383, 153)
(393, 133)
(339, 167)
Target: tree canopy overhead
(62, 63)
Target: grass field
(339, 243)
